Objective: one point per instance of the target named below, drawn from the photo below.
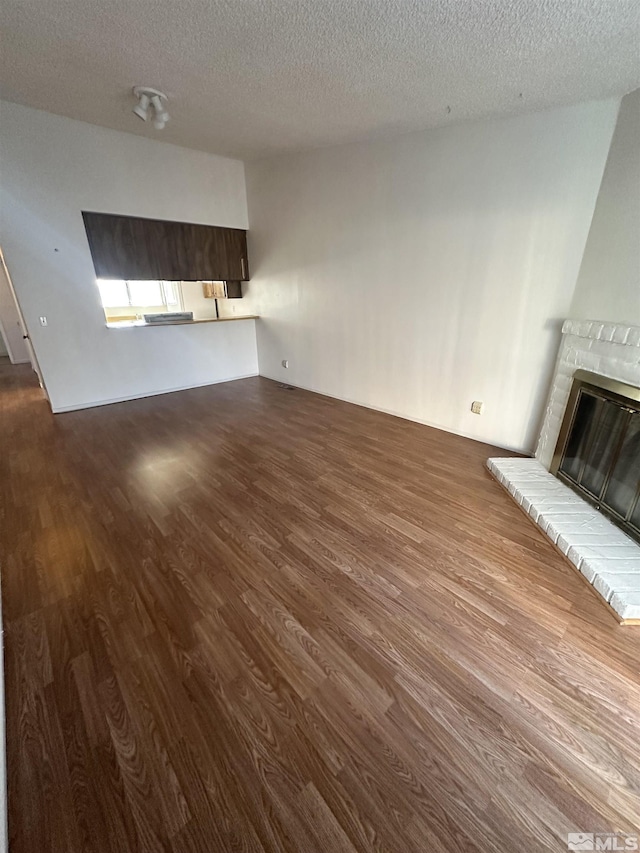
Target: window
(125, 298)
(114, 294)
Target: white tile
(577, 512)
(581, 521)
(607, 558)
(620, 334)
(618, 559)
(526, 503)
(579, 539)
(588, 570)
(608, 584)
(601, 552)
(611, 567)
(596, 330)
(575, 554)
(534, 511)
(546, 494)
(556, 526)
(633, 336)
(607, 333)
(626, 605)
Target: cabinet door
(129, 247)
(148, 257)
(236, 250)
(233, 289)
(169, 251)
(116, 248)
(205, 256)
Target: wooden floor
(255, 619)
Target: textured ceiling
(248, 78)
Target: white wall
(608, 286)
(193, 299)
(419, 274)
(53, 168)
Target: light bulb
(161, 113)
(160, 121)
(142, 107)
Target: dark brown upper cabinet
(235, 242)
(132, 248)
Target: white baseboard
(95, 403)
(481, 439)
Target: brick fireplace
(610, 349)
(606, 557)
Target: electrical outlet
(476, 407)
(285, 362)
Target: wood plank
(245, 618)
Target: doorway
(15, 344)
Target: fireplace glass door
(598, 454)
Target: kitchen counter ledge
(140, 324)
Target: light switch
(43, 321)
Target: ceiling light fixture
(151, 97)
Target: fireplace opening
(598, 449)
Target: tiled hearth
(606, 557)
